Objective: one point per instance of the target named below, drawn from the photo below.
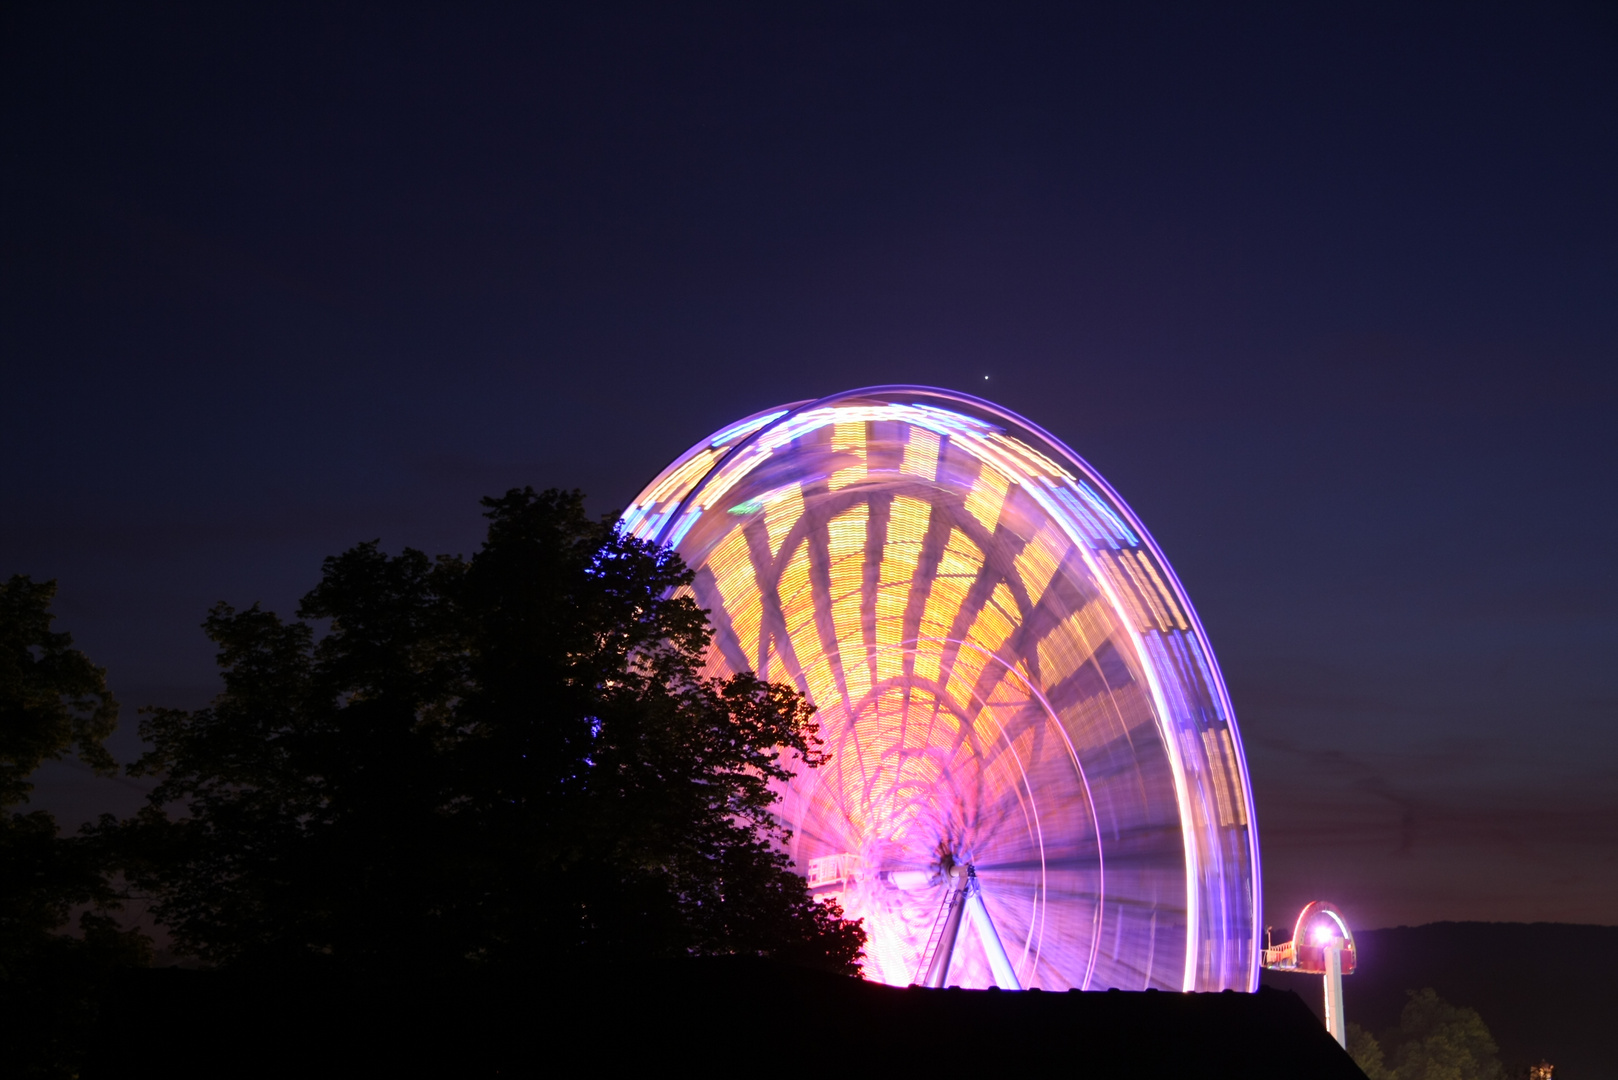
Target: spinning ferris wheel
(1035, 776)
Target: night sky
(1329, 293)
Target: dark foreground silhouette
(717, 1016)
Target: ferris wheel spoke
(1051, 864)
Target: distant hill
(1547, 990)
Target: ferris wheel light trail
(1026, 727)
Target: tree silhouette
(1434, 1041)
(1366, 1051)
(1440, 1041)
(512, 759)
(53, 700)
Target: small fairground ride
(1322, 944)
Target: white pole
(1334, 993)
(1005, 976)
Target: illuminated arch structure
(1025, 720)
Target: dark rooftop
(722, 1017)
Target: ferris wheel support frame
(944, 952)
(965, 900)
(1005, 975)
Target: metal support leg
(938, 970)
(1005, 976)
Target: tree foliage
(508, 759)
(1434, 1041)
(53, 700)
(1366, 1051)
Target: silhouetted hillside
(1546, 990)
(727, 1017)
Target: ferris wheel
(1035, 777)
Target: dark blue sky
(1328, 292)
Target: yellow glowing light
(821, 684)
(1215, 753)
(907, 520)
(733, 572)
(848, 436)
(1147, 593)
(1037, 562)
(1070, 643)
(678, 484)
(798, 611)
(961, 558)
(730, 474)
(987, 497)
(797, 599)
(907, 527)
(782, 511)
(1128, 594)
(1034, 463)
(937, 619)
(1164, 592)
(1006, 603)
(1230, 774)
(845, 533)
(848, 442)
(921, 454)
(846, 547)
(963, 676)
